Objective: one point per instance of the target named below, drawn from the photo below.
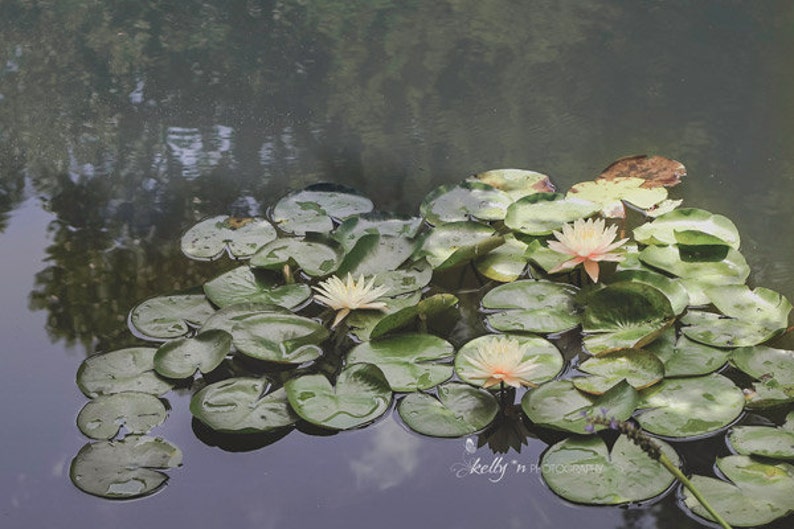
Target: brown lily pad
(657, 171)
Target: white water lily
(344, 296)
(589, 242)
(500, 360)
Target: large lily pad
(241, 405)
(361, 395)
(182, 357)
(167, 317)
(279, 338)
(405, 280)
(422, 310)
(130, 369)
(672, 288)
(610, 194)
(689, 226)
(542, 213)
(690, 407)
(457, 243)
(684, 357)
(129, 468)
(730, 270)
(459, 410)
(722, 331)
(312, 209)
(559, 405)
(353, 228)
(226, 318)
(463, 201)
(242, 284)
(410, 362)
(103, 417)
(765, 441)
(516, 183)
(317, 256)
(362, 322)
(774, 370)
(239, 237)
(505, 263)
(532, 306)
(375, 253)
(584, 470)
(639, 368)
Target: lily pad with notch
(610, 194)
(458, 410)
(239, 237)
(542, 213)
(765, 441)
(353, 228)
(516, 183)
(689, 226)
(774, 371)
(317, 255)
(684, 357)
(242, 284)
(167, 317)
(505, 263)
(181, 358)
(374, 253)
(279, 338)
(313, 208)
(457, 243)
(103, 416)
(641, 369)
(129, 369)
(532, 306)
(464, 201)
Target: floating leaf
(583, 470)
(375, 253)
(240, 237)
(241, 405)
(720, 331)
(763, 441)
(405, 280)
(505, 263)
(226, 318)
(532, 306)
(423, 310)
(655, 170)
(639, 368)
(459, 410)
(559, 405)
(166, 317)
(610, 194)
(732, 270)
(765, 307)
(130, 369)
(685, 357)
(124, 469)
(689, 226)
(542, 213)
(242, 284)
(361, 395)
(690, 407)
(316, 255)
(181, 358)
(353, 228)
(456, 243)
(311, 209)
(516, 183)
(410, 362)
(103, 417)
(546, 357)
(672, 288)
(279, 338)
(463, 201)
(362, 322)
(773, 368)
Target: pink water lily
(500, 360)
(588, 242)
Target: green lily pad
(684, 357)
(239, 237)
(759, 493)
(543, 256)
(241, 405)
(457, 243)
(463, 201)
(639, 368)
(167, 317)
(279, 338)
(182, 357)
(610, 194)
(774, 370)
(766, 441)
(583, 470)
(410, 362)
(405, 280)
(721, 331)
(689, 226)
(732, 270)
(361, 395)
(312, 209)
(532, 306)
(690, 407)
(130, 369)
(505, 263)
(672, 288)
(362, 322)
(546, 357)
(226, 318)
(124, 469)
(762, 306)
(316, 255)
(459, 410)
(542, 213)
(375, 253)
(423, 310)
(353, 228)
(103, 417)
(516, 183)
(242, 284)
(559, 405)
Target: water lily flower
(588, 242)
(344, 296)
(500, 361)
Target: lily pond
(465, 264)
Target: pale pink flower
(588, 242)
(344, 296)
(499, 361)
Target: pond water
(123, 123)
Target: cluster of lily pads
(334, 314)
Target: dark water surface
(122, 123)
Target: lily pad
(313, 208)
(610, 194)
(542, 213)
(242, 406)
(129, 468)
(375, 253)
(684, 357)
(672, 288)
(457, 243)
(103, 417)
(721, 331)
(463, 201)
(584, 470)
(505, 263)
(167, 317)
(459, 410)
(532, 306)
(362, 322)
(732, 270)
(182, 357)
(353, 228)
(279, 338)
(239, 237)
(516, 183)
(226, 318)
(655, 170)
(423, 310)
(361, 395)
(546, 357)
(690, 407)
(639, 368)
(316, 255)
(410, 362)
(559, 405)
(762, 306)
(689, 226)
(405, 280)
(774, 370)
(130, 369)
(242, 284)
(765, 441)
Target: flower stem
(287, 273)
(675, 471)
